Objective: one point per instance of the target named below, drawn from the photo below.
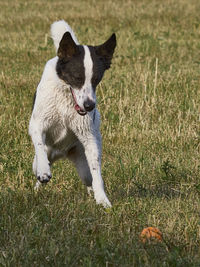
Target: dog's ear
(106, 50)
(67, 47)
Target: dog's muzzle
(88, 104)
(76, 106)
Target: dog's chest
(58, 136)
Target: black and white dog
(65, 122)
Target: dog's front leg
(92, 148)
(41, 162)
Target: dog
(65, 121)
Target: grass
(149, 102)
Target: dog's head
(82, 67)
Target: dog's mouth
(76, 106)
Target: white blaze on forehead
(88, 65)
(87, 89)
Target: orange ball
(150, 233)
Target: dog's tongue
(79, 110)
(76, 106)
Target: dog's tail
(58, 28)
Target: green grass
(150, 107)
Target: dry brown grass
(149, 103)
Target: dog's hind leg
(77, 156)
(92, 148)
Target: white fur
(58, 28)
(88, 64)
(56, 127)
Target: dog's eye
(77, 78)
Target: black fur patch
(101, 57)
(106, 51)
(70, 65)
(98, 67)
(72, 71)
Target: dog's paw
(102, 199)
(43, 172)
(44, 177)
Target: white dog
(65, 122)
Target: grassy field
(150, 106)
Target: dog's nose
(89, 105)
